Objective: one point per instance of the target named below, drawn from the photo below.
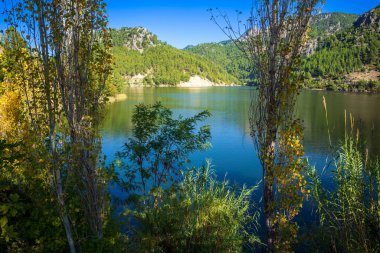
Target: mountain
(341, 46)
(135, 38)
(348, 59)
(227, 55)
(370, 20)
(142, 59)
(328, 23)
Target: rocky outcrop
(369, 20)
(311, 47)
(136, 38)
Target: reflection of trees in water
(363, 108)
(227, 105)
(230, 106)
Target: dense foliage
(230, 57)
(53, 195)
(54, 184)
(203, 215)
(347, 51)
(138, 38)
(160, 147)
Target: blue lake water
(233, 153)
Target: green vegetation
(231, 58)
(126, 36)
(227, 55)
(341, 49)
(166, 65)
(177, 209)
(349, 216)
(160, 147)
(202, 216)
(342, 53)
(158, 62)
(55, 185)
(328, 23)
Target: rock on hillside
(327, 23)
(370, 19)
(137, 38)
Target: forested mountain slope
(328, 23)
(349, 53)
(140, 58)
(341, 46)
(227, 55)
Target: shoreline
(116, 97)
(194, 82)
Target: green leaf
(3, 221)
(4, 209)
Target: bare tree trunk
(65, 217)
(69, 236)
(51, 117)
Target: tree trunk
(60, 196)
(57, 184)
(268, 211)
(69, 236)
(269, 200)
(65, 217)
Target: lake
(233, 154)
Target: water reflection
(233, 151)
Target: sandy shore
(117, 97)
(194, 82)
(197, 81)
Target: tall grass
(203, 216)
(349, 215)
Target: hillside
(329, 23)
(347, 53)
(230, 57)
(340, 44)
(227, 55)
(136, 38)
(141, 59)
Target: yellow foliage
(289, 184)
(10, 113)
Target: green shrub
(202, 216)
(172, 210)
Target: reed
(349, 217)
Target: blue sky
(182, 23)
(187, 22)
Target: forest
(341, 48)
(160, 63)
(338, 48)
(59, 63)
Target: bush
(202, 216)
(171, 210)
